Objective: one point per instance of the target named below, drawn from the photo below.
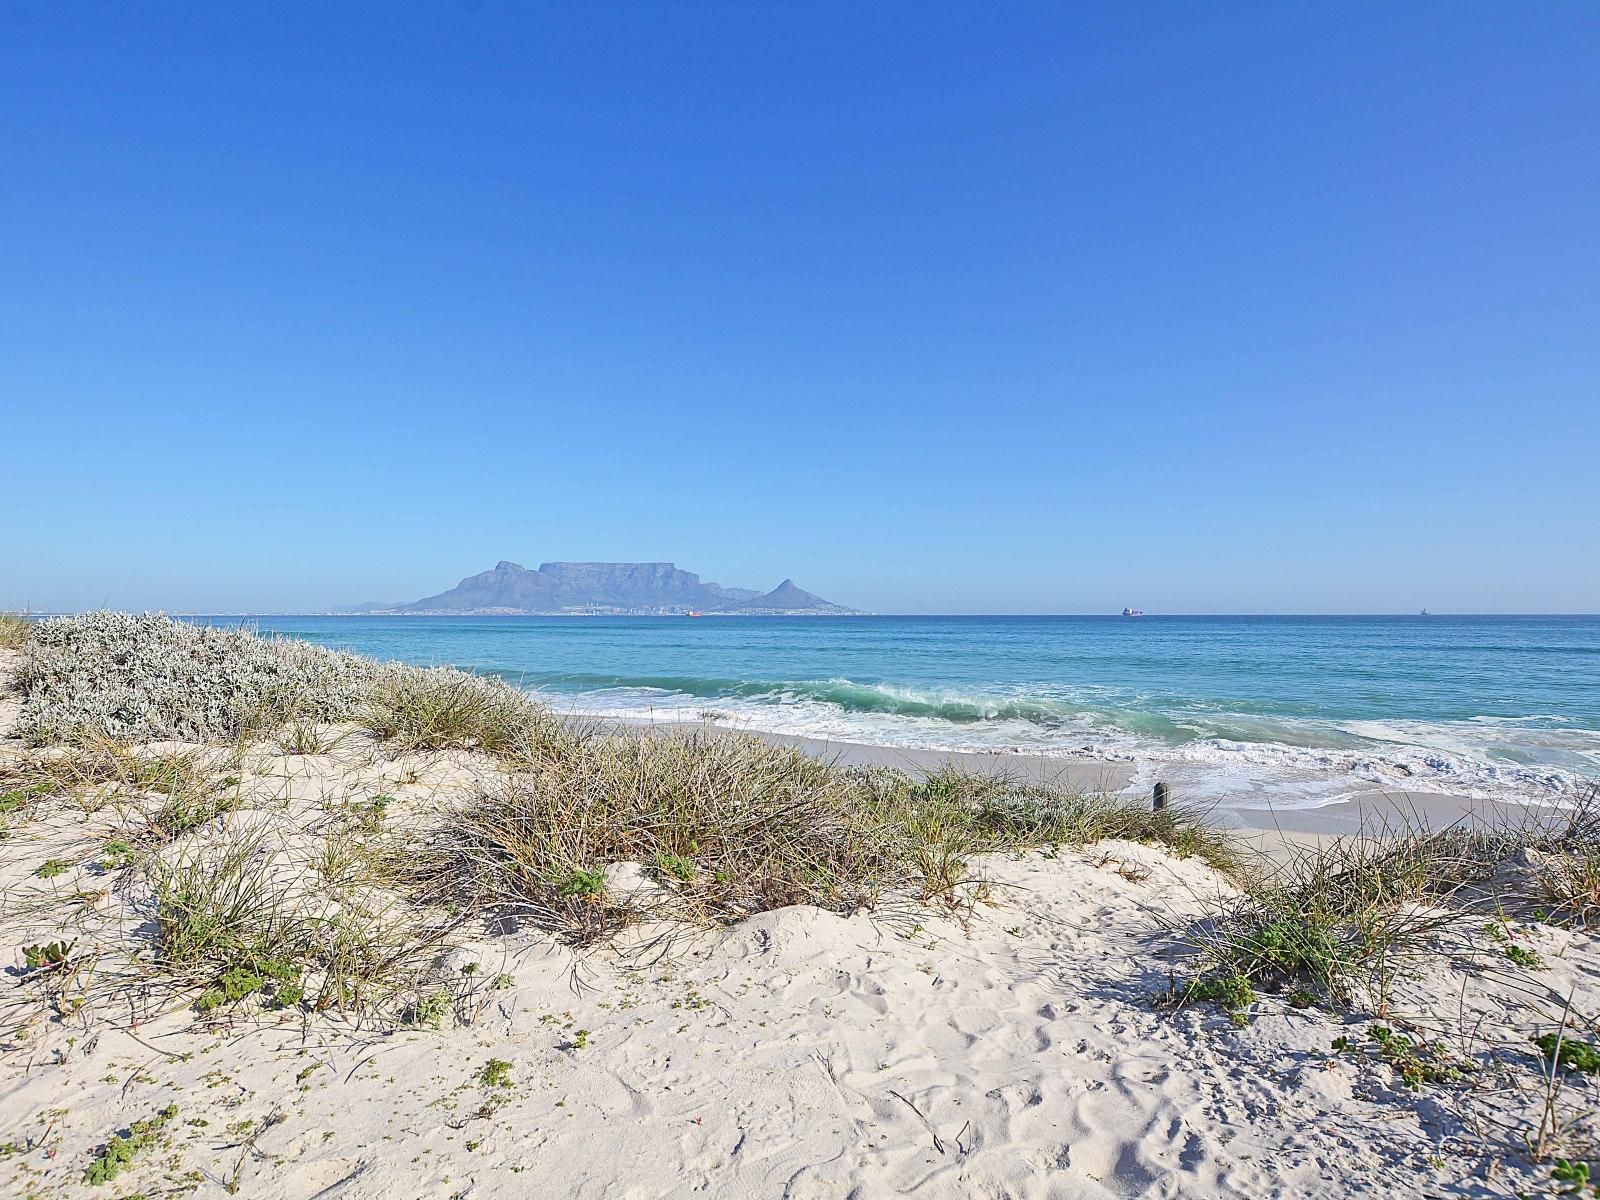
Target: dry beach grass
(376, 930)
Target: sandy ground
(1010, 1052)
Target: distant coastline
(346, 614)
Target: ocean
(1303, 711)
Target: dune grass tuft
(445, 709)
(725, 825)
(998, 812)
(15, 630)
(240, 917)
(1345, 916)
(174, 791)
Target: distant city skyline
(936, 308)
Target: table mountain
(651, 587)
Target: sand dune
(1012, 1050)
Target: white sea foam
(1295, 762)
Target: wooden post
(1158, 798)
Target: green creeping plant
(47, 957)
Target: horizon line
(46, 613)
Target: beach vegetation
(1570, 887)
(1566, 1051)
(1415, 1061)
(496, 1073)
(583, 885)
(235, 919)
(1231, 992)
(194, 805)
(47, 956)
(431, 1010)
(116, 854)
(307, 737)
(996, 812)
(53, 867)
(770, 826)
(350, 918)
(14, 630)
(1343, 917)
(674, 866)
(129, 678)
(91, 774)
(1302, 930)
(116, 1155)
(286, 995)
(1574, 1177)
(1524, 957)
(442, 708)
(236, 984)
(739, 825)
(1499, 931)
(25, 784)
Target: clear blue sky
(965, 308)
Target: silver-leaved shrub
(150, 678)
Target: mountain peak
(788, 597)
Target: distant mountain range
(654, 589)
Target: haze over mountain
(600, 587)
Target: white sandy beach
(1009, 1051)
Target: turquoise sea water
(1309, 709)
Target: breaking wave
(1216, 751)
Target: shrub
(148, 678)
